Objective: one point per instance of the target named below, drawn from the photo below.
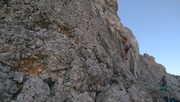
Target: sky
(156, 26)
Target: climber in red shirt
(127, 48)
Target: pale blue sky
(156, 26)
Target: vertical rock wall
(70, 51)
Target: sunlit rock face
(71, 51)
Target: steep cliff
(71, 51)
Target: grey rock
(13, 89)
(3, 76)
(71, 51)
(114, 94)
(18, 77)
(9, 59)
(2, 87)
(5, 56)
(34, 89)
(5, 97)
(6, 69)
(8, 84)
(83, 97)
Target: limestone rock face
(71, 51)
(34, 89)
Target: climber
(127, 47)
(163, 86)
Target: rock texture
(70, 51)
